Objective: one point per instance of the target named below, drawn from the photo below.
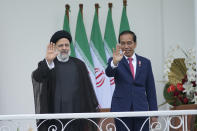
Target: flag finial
(97, 6)
(67, 6)
(81, 6)
(81, 9)
(125, 3)
(110, 5)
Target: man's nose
(64, 47)
(126, 45)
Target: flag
(82, 47)
(110, 42)
(66, 27)
(103, 90)
(124, 23)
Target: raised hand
(51, 52)
(117, 54)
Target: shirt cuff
(51, 65)
(112, 65)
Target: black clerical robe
(44, 84)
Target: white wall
(26, 27)
(195, 6)
(179, 23)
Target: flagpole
(103, 90)
(81, 9)
(110, 6)
(66, 27)
(125, 3)
(67, 6)
(97, 6)
(124, 23)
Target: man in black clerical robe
(62, 85)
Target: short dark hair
(128, 32)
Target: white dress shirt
(134, 62)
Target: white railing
(165, 120)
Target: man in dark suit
(135, 87)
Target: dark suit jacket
(133, 94)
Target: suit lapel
(126, 64)
(138, 66)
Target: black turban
(61, 34)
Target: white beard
(63, 57)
